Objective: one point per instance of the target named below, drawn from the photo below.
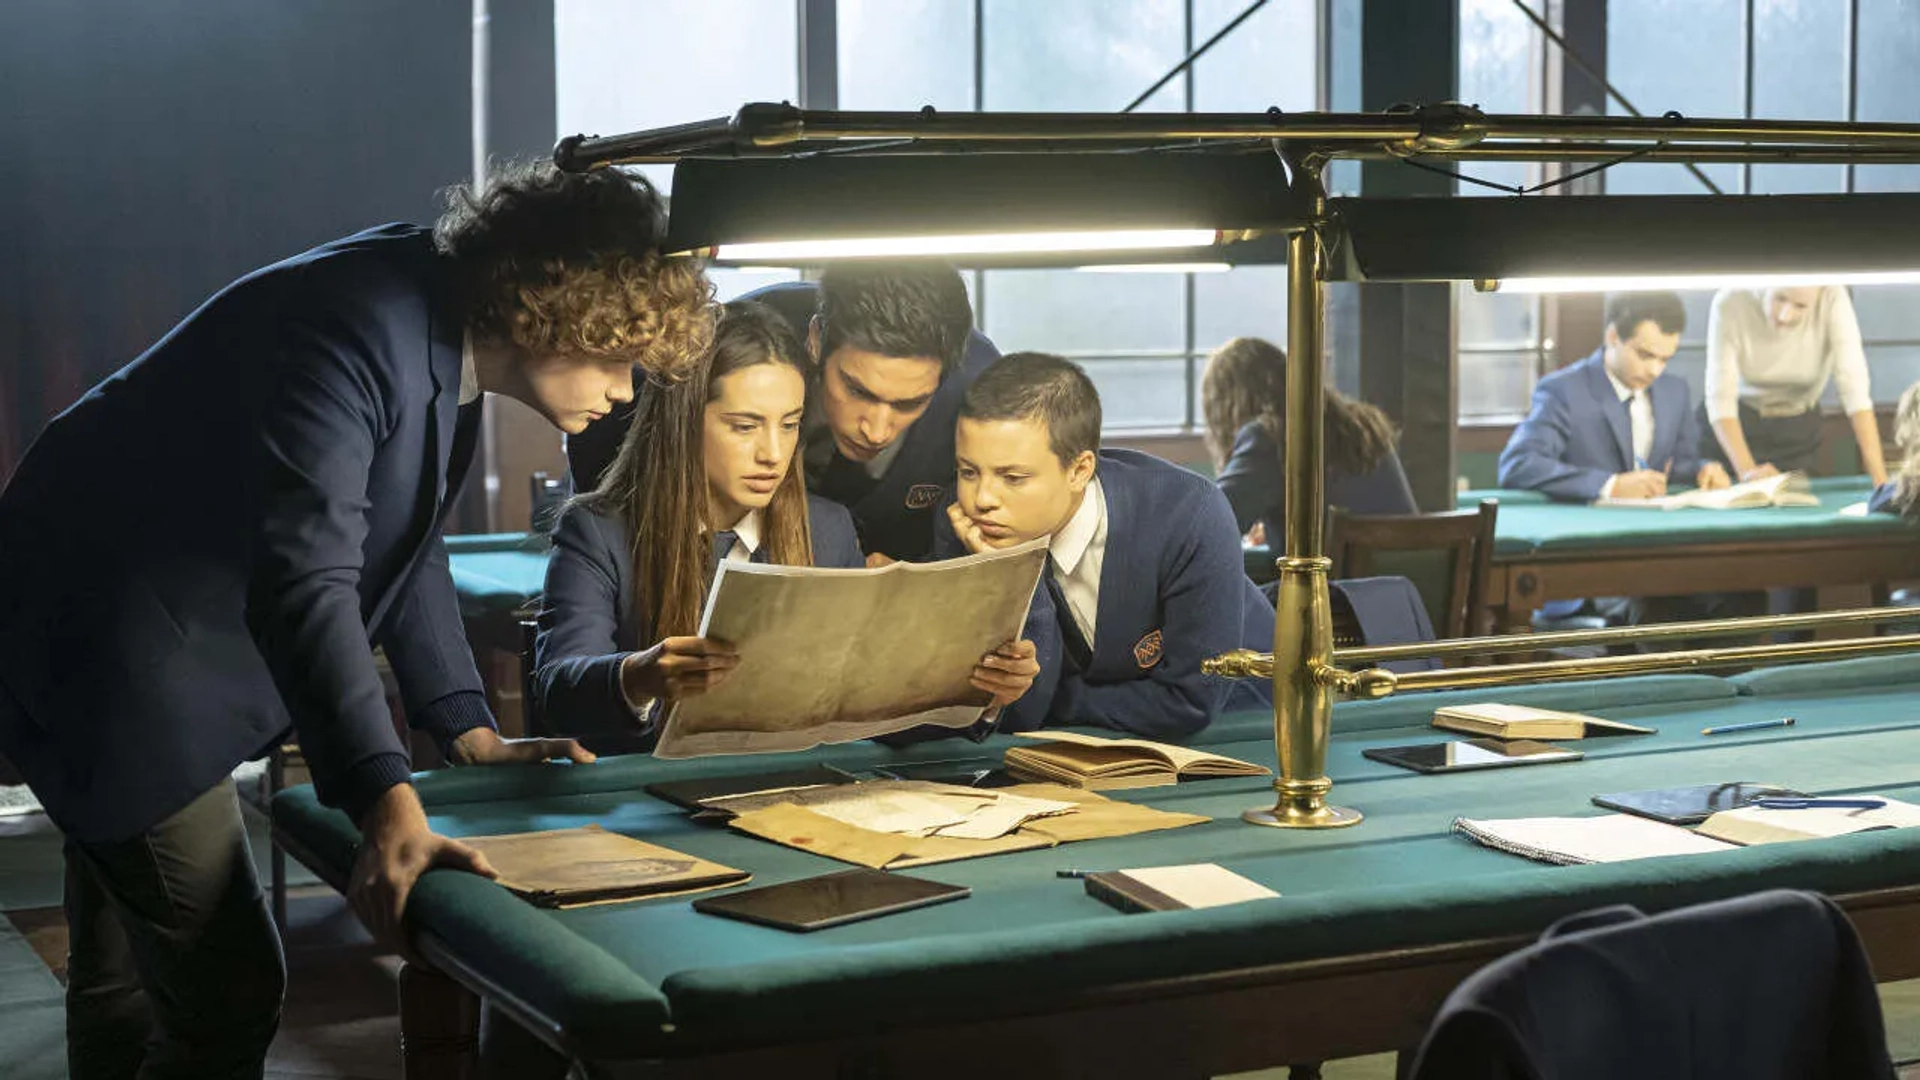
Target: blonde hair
(1906, 435)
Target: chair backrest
(1445, 555)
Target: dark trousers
(174, 966)
(1789, 443)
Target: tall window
(1142, 336)
(622, 66)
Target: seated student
(614, 638)
(1616, 424)
(1901, 494)
(892, 350)
(1244, 392)
(1145, 578)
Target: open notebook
(1786, 489)
(1089, 761)
(1619, 837)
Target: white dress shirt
(1078, 550)
(1640, 420)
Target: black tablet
(1691, 805)
(1471, 754)
(830, 899)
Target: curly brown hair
(571, 263)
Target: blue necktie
(723, 542)
(1075, 642)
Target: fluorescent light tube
(965, 244)
(1643, 282)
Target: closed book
(1102, 764)
(589, 865)
(1528, 722)
(1174, 888)
(1759, 825)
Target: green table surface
(656, 978)
(496, 573)
(1530, 523)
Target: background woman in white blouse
(1769, 357)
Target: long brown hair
(1246, 380)
(657, 483)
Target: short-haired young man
(1616, 424)
(1145, 578)
(202, 551)
(894, 350)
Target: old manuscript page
(832, 655)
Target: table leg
(439, 1026)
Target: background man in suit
(162, 626)
(894, 352)
(1145, 577)
(1618, 425)
(1614, 425)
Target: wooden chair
(1445, 555)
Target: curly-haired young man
(202, 551)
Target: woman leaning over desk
(1770, 355)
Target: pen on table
(1785, 721)
(1788, 803)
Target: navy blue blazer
(588, 624)
(1577, 434)
(205, 547)
(1255, 483)
(895, 516)
(1173, 591)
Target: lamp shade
(1625, 241)
(977, 209)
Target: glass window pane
(1888, 312)
(1500, 72)
(1268, 60)
(903, 54)
(1139, 393)
(728, 284)
(1690, 363)
(1889, 83)
(1893, 369)
(1496, 320)
(1076, 311)
(1081, 55)
(1676, 54)
(1250, 301)
(612, 60)
(1799, 73)
(1699, 304)
(1496, 385)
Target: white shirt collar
(747, 533)
(1090, 520)
(1619, 388)
(469, 378)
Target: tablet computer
(830, 899)
(1691, 805)
(1471, 754)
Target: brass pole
(1303, 617)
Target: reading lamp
(1142, 210)
(1625, 242)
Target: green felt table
(1545, 550)
(494, 574)
(1031, 976)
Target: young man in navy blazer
(202, 552)
(1616, 424)
(1145, 578)
(894, 351)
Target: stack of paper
(908, 807)
(1574, 840)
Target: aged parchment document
(832, 655)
